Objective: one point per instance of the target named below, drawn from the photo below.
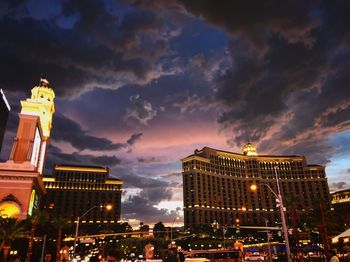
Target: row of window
(81, 186)
(203, 217)
(80, 176)
(210, 190)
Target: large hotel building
(73, 190)
(341, 204)
(216, 186)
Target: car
(255, 257)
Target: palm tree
(10, 230)
(159, 229)
(38, 217)
(59, 222)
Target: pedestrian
(181, 256)
(334, 257)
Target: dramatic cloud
(141, 110)
(182, 75)
(57, 157)
(139, 206)
(256, 20)
(283, 73)
(69, 131)
(69, 45)
(149, 193)
(143, 204)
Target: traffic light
(237, 226)
(224, 230)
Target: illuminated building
(4, 113)
(341, 197)
(341, 204)
(74, 189)
(216, 186)
(21, 186)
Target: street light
(108, 207)
(268, 239)
(279, 200)
(171, 229)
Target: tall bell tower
(21, 186)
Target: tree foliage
(159, 229)
(10, 230)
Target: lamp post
(283, 217)
(171, 229)
(268, 240)
(108, 207)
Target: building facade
(217, 186)
(4, 113)
(341, 204)
(21, 186)
(73, 190)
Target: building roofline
(82, 168)
(242, 155)
(340, 191)
(233, 153)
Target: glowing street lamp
(279, 200)
(254, 187)
(108, 207)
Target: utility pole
(324, 227)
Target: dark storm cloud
(68, 130)
(257, 91)
(256, 20)
(142, 204)
(55, 156)
(287, 86)
(134, 180)
(139, 206)
(101, 48)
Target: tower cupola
(41, 104)
(249, 149)
(42, 92)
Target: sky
(141, 84)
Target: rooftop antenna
(44, 81)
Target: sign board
(87, 241)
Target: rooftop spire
(44, 82)
(249, 149)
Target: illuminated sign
(36, 148)
(33, 202)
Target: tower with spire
(249, 149)
(21, 186)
